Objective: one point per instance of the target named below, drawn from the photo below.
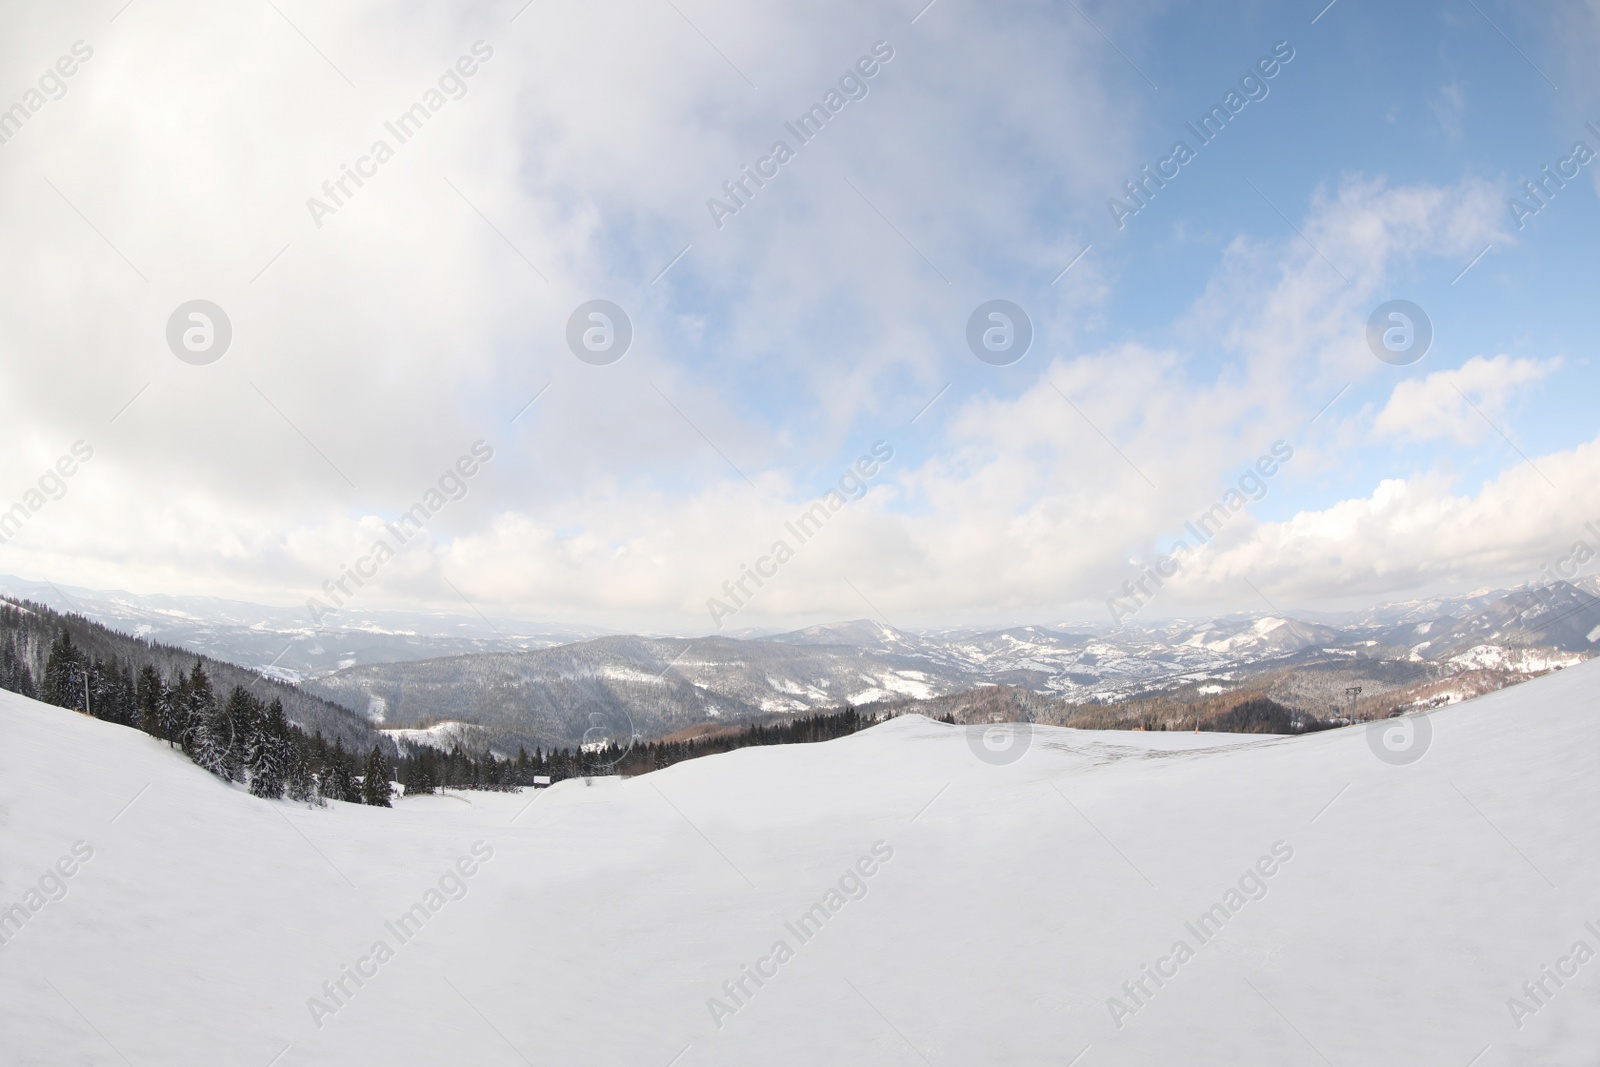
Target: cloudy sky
(381, 330)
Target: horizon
(353, 621)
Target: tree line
(31, 628)
(657, 755)
(1234, 713)
(426, 769)
(239, 739)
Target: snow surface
(1019, 898)
(443, 736)
(1523, 660)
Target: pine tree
(300, 783)
(151, 698)
(98, 688)
(14, 673)
(267, 758)
(63, 674)
(122, 694)
(421, 771)
(206, 735)
(110, 701)
(238, 728)
(340, 783)
(375, 788)
(175, 724)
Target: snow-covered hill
(909, 895)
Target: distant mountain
(459, 678)
(1561, 616)
(612, 687)
(862, 633)
(36, 626)
(282, 642)
(1401, 612)
(1260, 638)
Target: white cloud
(1023, 506)
(1459, 405)
(378, 347)
(1417, 535)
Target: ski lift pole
(1353, 693)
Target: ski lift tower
(1353, 692)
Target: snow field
(1021, 900)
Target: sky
(360, 349)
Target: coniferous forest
(427, 769)
(238, 737)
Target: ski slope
(984, 912)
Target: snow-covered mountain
(283, 642)
(554, 686)
(915, 894)
(1562, 616)
(862, 633)
(626, 685)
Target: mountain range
(283, 642)
(446, 679)
(612, 687)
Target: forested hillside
(28, 629)
(241, 737)
(625, 685)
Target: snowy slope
(1018, 899)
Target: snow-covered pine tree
(100, 684)
(63, 674)
(206, 733)
(14, 673)
(122, 692)
(152, 699)
(299, 782)
(268, 753)
(111, 691)
(375, 788)
(240, 724)
(176, 724)
(422, 775)
(339, 782)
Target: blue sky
(1419, 95)
(373, 349)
